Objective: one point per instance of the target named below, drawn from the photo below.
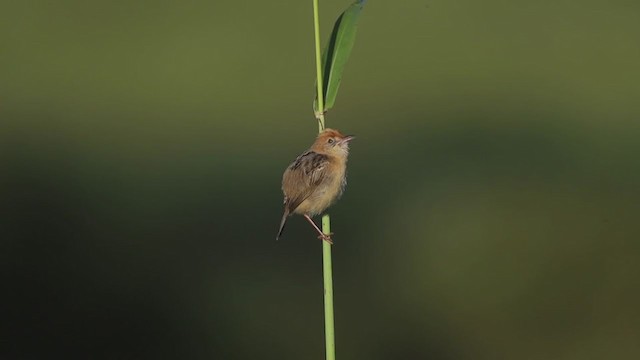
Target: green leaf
(337, 52)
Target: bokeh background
(493, 199)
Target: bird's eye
(330, 141)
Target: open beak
(347, 138)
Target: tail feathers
(283, 222)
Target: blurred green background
(493, 199)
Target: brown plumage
(316, 178)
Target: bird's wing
(302, 177)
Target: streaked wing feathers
(302, 177)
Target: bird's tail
(283, 222)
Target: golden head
(332, 142)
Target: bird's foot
(326, 237)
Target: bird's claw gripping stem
(326, 237)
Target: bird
(316, 179)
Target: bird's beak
(347, 138)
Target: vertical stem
(330, 343)
(319, 92)
(327, 273)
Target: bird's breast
(325, 194)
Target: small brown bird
(316, 179)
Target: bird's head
(332, 142)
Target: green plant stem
(330, 343)
(320, 95)
(327, 273)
